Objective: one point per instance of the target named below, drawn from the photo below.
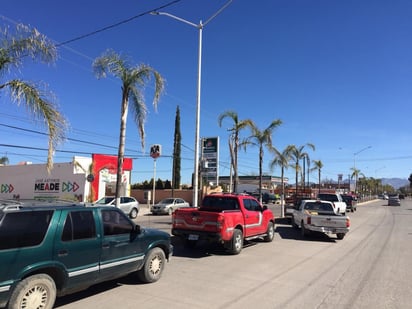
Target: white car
(129, 205)
(168, 205)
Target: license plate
(193, 237)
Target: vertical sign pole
(155, 152)
(154, 180)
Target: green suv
(52, 249)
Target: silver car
(129, 205)
(394, 200)
(168, 205)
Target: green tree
(281, 159)
(238, 125)
(355, 175)
(159, 184)
(15, 47)
(4, 161)
(297, 154)
(261, 138)
(318, 167)
(176, 178)
(167, 184)
(133, 79)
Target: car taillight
(220, 222)
(347, 222)
(309, 220)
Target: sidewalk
(144, 209)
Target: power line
(116, 24)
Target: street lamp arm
(356, 153)
(200, 25)
(177, 18)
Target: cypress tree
(177, 152)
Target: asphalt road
(370, 268)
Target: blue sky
(337, 73)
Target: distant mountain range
(395, 182)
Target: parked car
(266, 197)
(53, 249)
(128, 204)
(350, 202)
(168, 205)
(393, 200)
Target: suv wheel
(37, 291)
(153, 266)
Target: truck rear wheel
(236, 243)
(270, 232)
(294, 225)
(303, 230)
(340, 235)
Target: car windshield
(167, 201)
(105, 200)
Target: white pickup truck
(319, 216)
(339, 204)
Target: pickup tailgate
(195, 220)
(330, 221)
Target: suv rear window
(79, 225)
(23, 228)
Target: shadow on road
(130, 279)
(288, 232)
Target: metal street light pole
(199, 77)
(358, 152)
(354, 162)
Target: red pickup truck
(229, 219)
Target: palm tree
(134, 79)
(14, 48)
(318, 166)
(238, 125)
(298, 153)
(355, 175)
(261, 138)
(281, 159)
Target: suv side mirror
(264, 208)
(137, 229)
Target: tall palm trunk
(122, 142)
(260, 172)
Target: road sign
(155, 151)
